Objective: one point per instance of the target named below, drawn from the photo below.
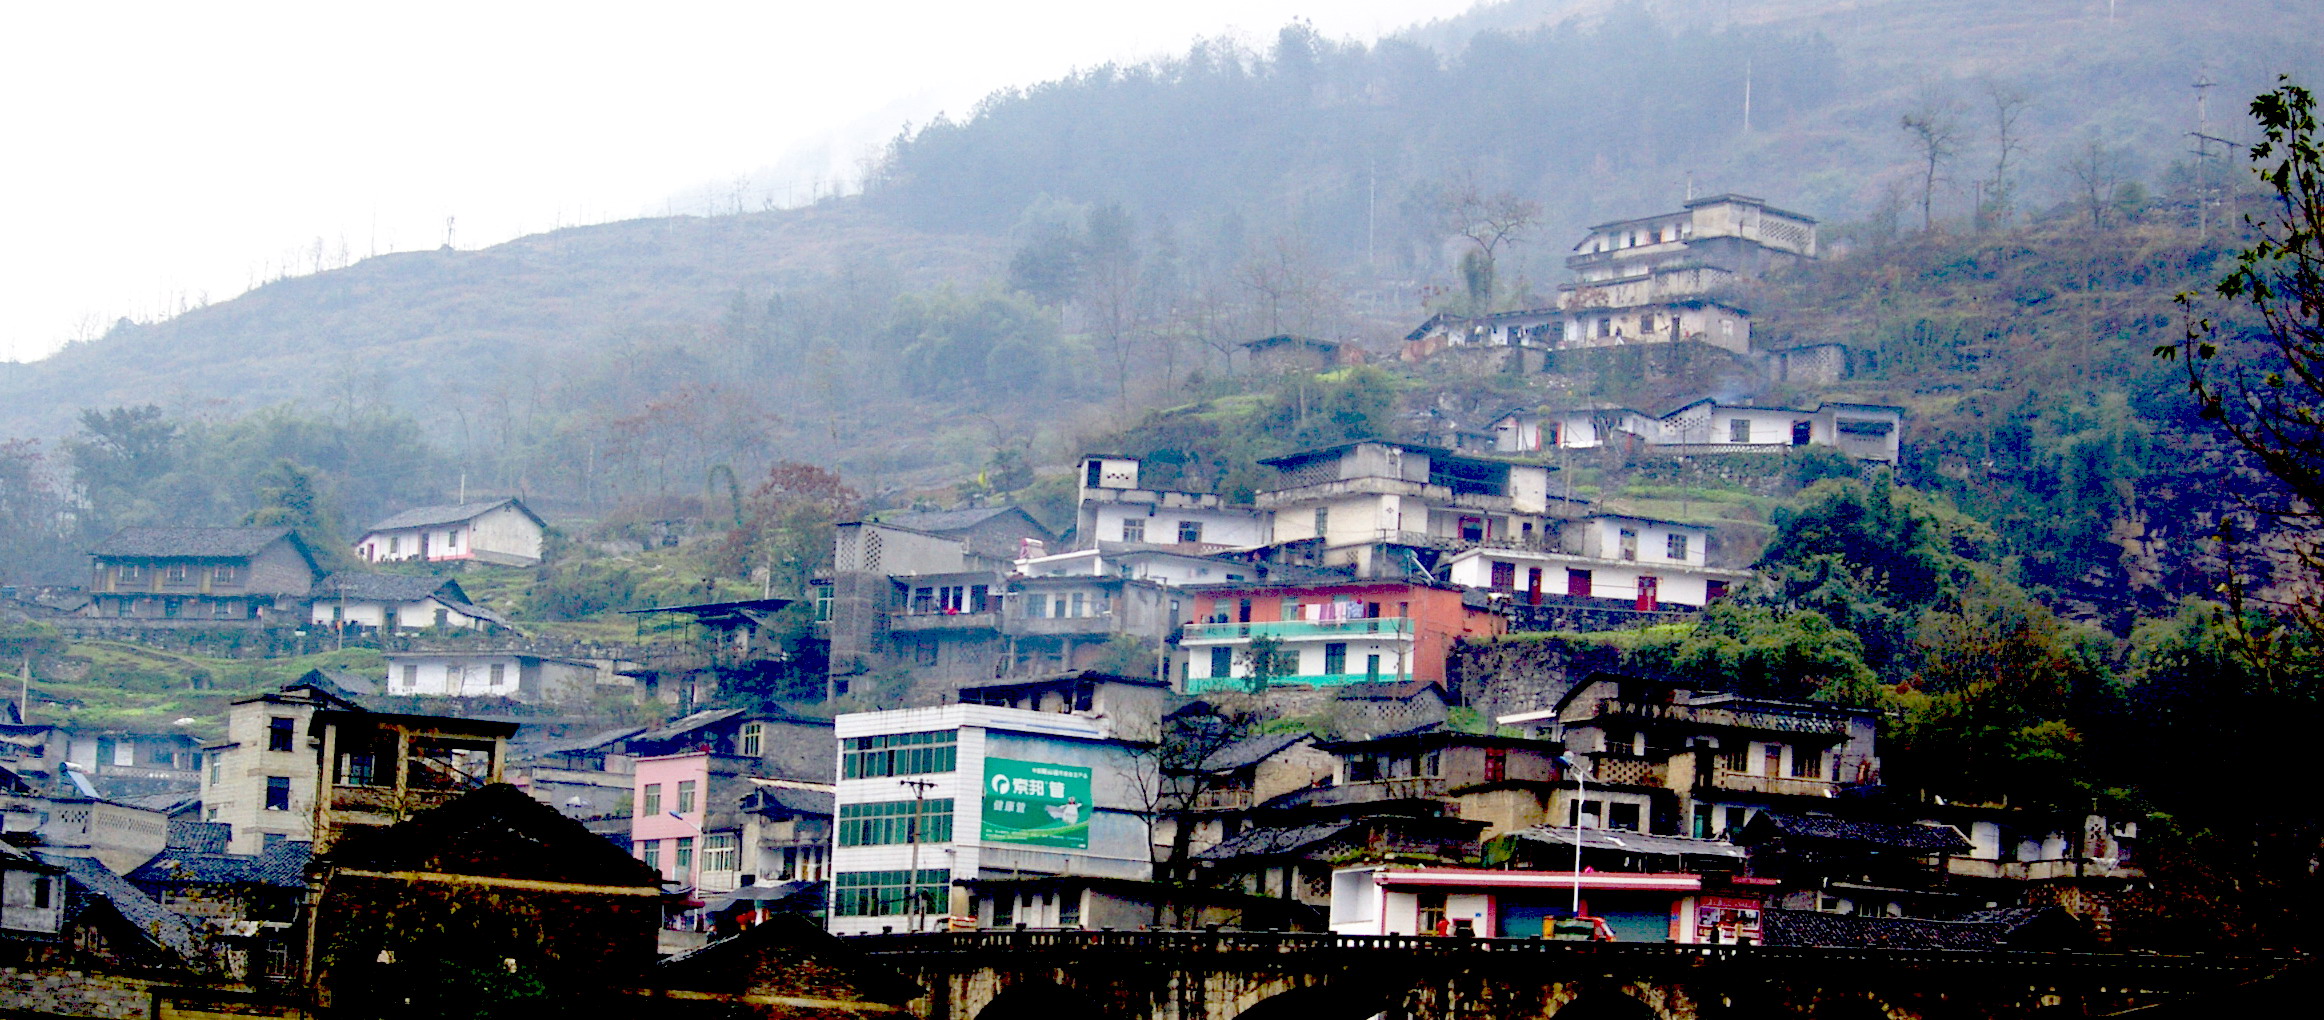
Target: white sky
(161, 153)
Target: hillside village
(1320, 708)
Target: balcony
(1202, 684)
(1395, 626)
(2039, 871)
(1774, 786)
(1221, 800)
(1059, 626)
(916, 623)
(1627, 770)
(1769, 718)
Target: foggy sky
(166, 154)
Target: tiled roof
(196, 543)
(943, 521)
(1633, 842)
(793, 800)
(199, 837)
(1814, 928)
(1916, 836)
(1251, 751)
(495, 831)
(423, 516)
(166, 930)
(390, 587)
(683, 725)
(1271, 840)
(282, 865)
(592, 742)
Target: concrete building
(959, 559)
(1706, 245)
(1335, 632)
(542, 679)
(498, 531)
(395, 603)
(1865, 431)
(1116, 508)
(930, 797)
(379, 769)
(1383, 509)
(1646, 563)
(260, 781)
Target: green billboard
(1036, 803)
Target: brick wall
(56, 992)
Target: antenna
(1747, 95)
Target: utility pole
(919, 913)
(2203, 140)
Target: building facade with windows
(929, 798)
(499, 531)
(202, 577)
(1643, 562)
(493, 674)
(261, 780)
(1333, 632)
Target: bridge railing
(1180, 943)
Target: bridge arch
(1343, 1000)
(1036, 999)
(1603, 1003)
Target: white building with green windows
(1022, 780)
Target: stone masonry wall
(76, 993)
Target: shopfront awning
(1478, 878)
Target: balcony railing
(1781, 786)
(1396, 626)
(1222, 800)
(915, 622)
(1624, 770)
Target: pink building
(669, 801)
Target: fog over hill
(1076, 250)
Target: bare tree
(2008, 105)
(2097, 169)
(1488, 220)
(1168, 780)
(1935, 128)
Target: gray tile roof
(1251, 751)
(389, 587)
(1813, 928)
(790, 800)
(944, 521)
(423, 516)
(685, 724)
(192, 543)
(1271, 840)
(1924, 838)
(167, 931)
(199, 837)
(282, 865)
(1633, 842)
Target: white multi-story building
(1116, 508)
(1864, 431)
(1650, 562)
(1022, 780)
(494, 674)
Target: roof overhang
(1479, 878)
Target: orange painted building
(1335, 632)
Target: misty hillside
(1073, 252)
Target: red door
(1649, 590)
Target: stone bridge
(1301, 976)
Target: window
(1290, 610)
(651, 803)
(823, 593)
(890, 822)
(685, 856)
(653, 854)
(898, 754)
(223, 611)
(411, 676)
(278, 793)
(1005, 910)
(180, 573)
(394, 544)
(1190, 531)
(1705, 818)
(1069, 908)
(132, 573)
(281, 733)
(1372, 667)
(1222, 661)
(499, 670)
(451, 540)
(40, 892)
(754, 739)
(1322, 521)
(1676, 547)
(1807, 763)
(1134, 529)
(1080, 607)
(359, 768)
(1431, 913)
(1036, 606)
(217, 771)
(1621, 815)
(225, 573)
(892, 893)
(722, 852)
(1335, 657)
(1739, 430)
(1504, 575)
(1774, 761)
(685, 796)
(1628, 542)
